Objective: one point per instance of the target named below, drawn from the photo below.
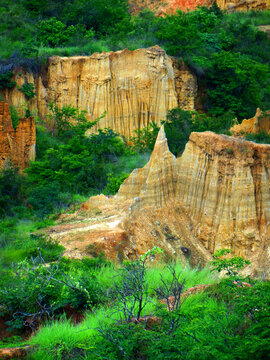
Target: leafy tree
(28, 89)
(47, 199)
(54, 33)
(69, 120)
(145, 138)
(114, 182)
(101, 15)
(5, 80)
(11, 190)
(231, 265)
(262, 137)
(76, 163)
(180, 124)
(235, 82)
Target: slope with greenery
(226, 321)
(38, 286)
(227, 51)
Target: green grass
(85, 49)
(190, 276)
(17, 243)
(127, 163)
(59, 336)
(12, 341)
(62, 336)
(261, 138)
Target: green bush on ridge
(210, 41)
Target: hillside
(134, 180)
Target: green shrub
(53, 32)
(28, 89)
(44, 141)
(231, 265)
(48, 199)
(261, 138)
(46, 290)
(145, 138)
(114, 183)
(14, 116)
(5, 80)
(236, 83)
(11, 190)
(69, 121)
(180, 124)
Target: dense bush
(11, 190)
(28, 89)
(114, 182)
(235, 83)
(79, 164)
(45, 289)
(67, 163)
(261, 138)
(5, 80)
(227, 322)
(53, 33)
(180, 124)
(145, 138)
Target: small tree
(231, 265)
(69, 120)
(171, 293)
(131, 292)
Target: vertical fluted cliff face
(167, 7)
(132, 87)
(243, 5)
(222, 183)
(224, 186)
(156, 183)
(217, 194)
(17, 146)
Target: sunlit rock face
(216, 195)
(224, 186)
(154, 184)
(170, 6)
(16, 146)
(260, 122)
(243, 5)
(132, 88)
(222, 183)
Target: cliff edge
(133, 88)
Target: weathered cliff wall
(17, 146)
(216, 195)
(170, 6)
(260, 122)
(221, 182)
(224, 186)
(243, 5)
(132, 87)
